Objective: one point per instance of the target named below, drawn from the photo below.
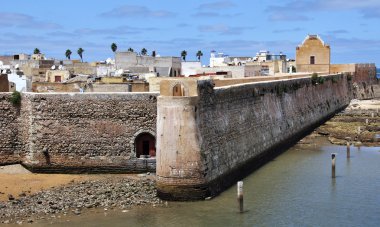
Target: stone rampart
(88, 132)
(209, 141)
(11, 143)
(366, 86)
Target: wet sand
(15, 180)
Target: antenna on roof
(60, 67)
(53, 67)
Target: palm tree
(36, 51)
(154, 53)
(183, 55)
(68, 53)
(199, 55)
(130, 49)
(113, 47)
(80, 53)
(144, 51)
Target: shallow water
(295, 189)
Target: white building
(190, 68)
(20, 81)
(218, 59)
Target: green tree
(183, 55)
(130, 49)
(80, 53)
(113, 47)
(199, 55)
(144, 51)
(154, 53)
(68, 54)
(36, 51)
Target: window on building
(312, 60)
(57, 79)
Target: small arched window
(178, 90)
(145, 145)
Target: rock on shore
(115, 192)
(359, 123)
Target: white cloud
(216, 5)
(25, 21)
(224, 29)
(137, 11)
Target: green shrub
(349, 76)
(314, 78)
(16, 98)
(321, 80)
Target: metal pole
(240, 196)
(333, 165)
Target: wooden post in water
(240, 196)
(366, 121)
(372, 115)
(358, 129)
(333, 165)
(348, 149)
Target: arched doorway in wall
(179, 90)
(145, 144)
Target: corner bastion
(211, 136)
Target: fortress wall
(88, 132)
(234, 128)
(366, 86)
(11, 144)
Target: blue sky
(238, 28)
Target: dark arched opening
(145, 144)
(178, 90)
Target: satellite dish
(109, 61)
(17, 66)
(1, 63)
(60, 67)
(53, 67)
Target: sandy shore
(15, 180)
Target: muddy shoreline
(359, 124)
(75, 198)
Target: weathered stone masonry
(217, 136)
(77, 132)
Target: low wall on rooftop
(90, 132)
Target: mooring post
(240, 196)
(372, 115)
(333, 155)
(358, 129)
(348, 149)
(366, 121)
